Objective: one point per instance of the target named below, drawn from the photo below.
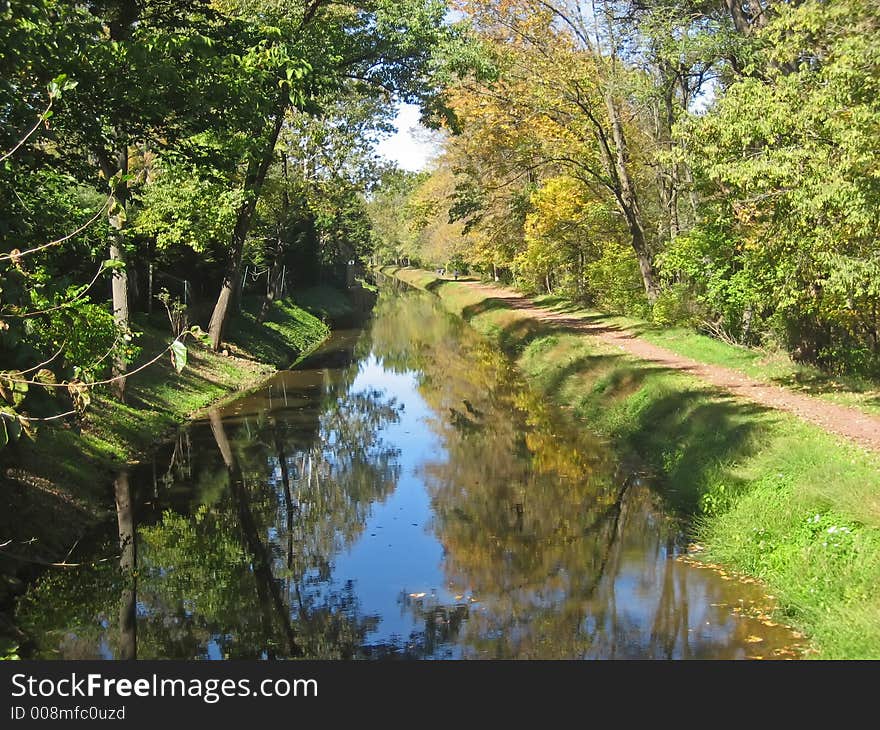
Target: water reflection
(127, 567)
(401, 494)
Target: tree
(790, 211)
(383, 45)
(146, 73)
(390, 217)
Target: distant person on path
(455, 274)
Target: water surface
(401, 493)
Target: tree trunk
(273, 284)
(273, 276)
(646, 267)
(628, 202)
(120, 28)
(740, 21)
(253, 185)
(120, 276)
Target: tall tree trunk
(739, 18)
(273, 276)
(644, 256)
(273, 282)
(253, 185)
(120, 28)
(666, 172)
(628, 202)
(119, 282)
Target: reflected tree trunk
(684, 614)
(288, 496)
(267, 587)
(128, 565)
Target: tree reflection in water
(547, 549)
(541, 534)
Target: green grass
(766, 494)
(324, 302)
(287, 332)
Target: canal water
(401, 493)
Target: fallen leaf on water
(416, 595)
(754, 639)
(785, 652)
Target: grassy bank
(768, 495)
(774, 367)
(56, 487)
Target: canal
(401, 493)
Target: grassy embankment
(769, 367)
(61, 483)
(768, 495)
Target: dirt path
(850, 423)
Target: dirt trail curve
(850, 423)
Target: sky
(412, 146)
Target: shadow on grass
(490, 304)
(258, 343)
(814, 382)
(437, 284)
(694, 440)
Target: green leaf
(200, 334)
(58, 84)
(178, 355)
(12, 388)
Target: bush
(614, 281)
(675, 306)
